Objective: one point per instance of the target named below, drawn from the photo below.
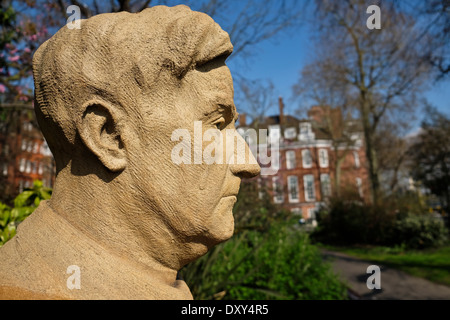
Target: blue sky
(282, 59)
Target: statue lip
(229, 196)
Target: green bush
(278, 264)
(420, 231)
(24, 204)
(390, 224)
(346, 223)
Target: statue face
(194, 200)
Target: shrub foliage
(391, 223)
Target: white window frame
(30, 146)
(325, 182)
(278, 196)
(323, 158)
(290, 159)
(290, 133)
(28, 166)
(308, 197)
(35, 147)
(274, 133)
(22, 164)
(305, 128)
(292, 182)
(297, 212)
(359, 186)
(356, 159)
(305, 131)
(306, 153)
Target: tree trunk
(371, 156)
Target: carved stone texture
(124, 218)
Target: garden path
(395, 284)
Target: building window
(293, 189)
(290, 159)
(311, 212)
(24, 145)
(306, 158)
(5, 169)
(33, 167)
(277, 190)
(323, 158)
(35, 147)
(27, 126)
(290, 133)
(325, 185)
(305, 128)
(359, 186)
(297, 211)
(306, 132)
(308, 181)
(41, 168)
(22, 165)
(30, 146)
(274, 133)
(28, 166)
(356, 158)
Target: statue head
(109, 96)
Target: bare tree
(392, 150)
(317, 86)
(434, 16)
(257, 95)
(384, 71)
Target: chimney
(281, 105)
(242, 120)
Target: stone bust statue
(123, 215)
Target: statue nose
(246, 170)
(248, 167)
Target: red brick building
(24, 155)
(310, 152)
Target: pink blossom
(2, 88)
(23, 98)
(14, 59)
(28, 50)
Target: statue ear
(100, 132)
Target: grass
(431, 264)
